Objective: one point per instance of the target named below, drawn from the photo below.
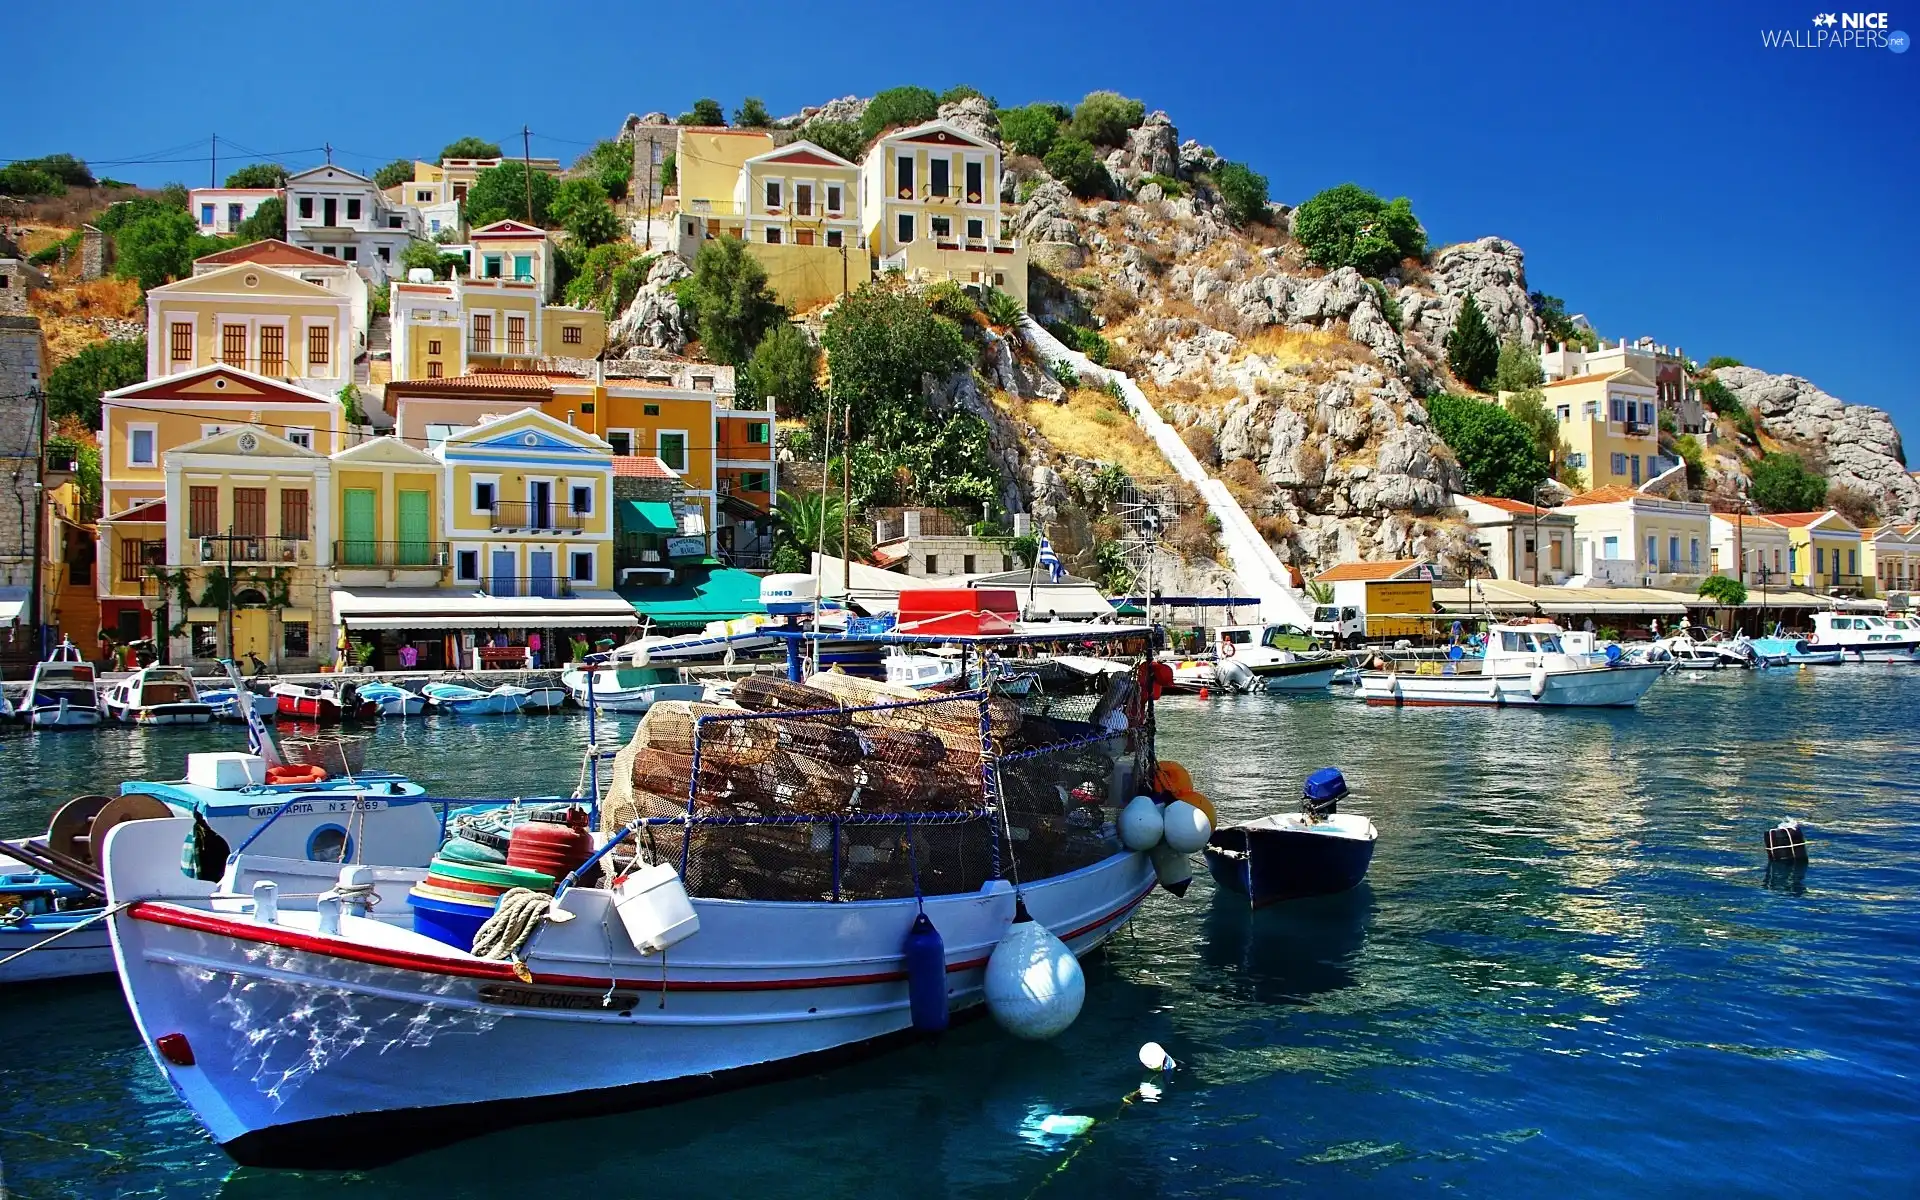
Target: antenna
(329, 149)
(526, 167)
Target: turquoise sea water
(1570, 974)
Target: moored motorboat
(394, 700)
(326, 704)
(1316, 851)
(1780, 649)
(472, 702)
(233, 701)
(1522, 664)
(626, 689)
(157, 695)
(63, 693)
(544, 698)
(1864, 637)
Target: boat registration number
(309, 807)
(575, 999)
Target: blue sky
(1665, 173)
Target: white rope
(102, 915)
(520, 912)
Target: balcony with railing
(218, 550)
(532, 516)
(549, 587)
(502, 347)
(390, 555)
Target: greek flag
(1050, 560)
(259, 741)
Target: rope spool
(521, 911)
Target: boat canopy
(721, 595)
(454, 608)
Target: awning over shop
(143, 512)
(1504, 596)
(645, 516)
(445, 608)
(721, 595)
(13, 602)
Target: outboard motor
(349, 701)
(1320, 798)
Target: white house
(1524, 542)
(1633, 539)
(1745, 545)
(340, 214)
(219, 211)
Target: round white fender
(1173, 869)
(1187, 828)
(1537, 683)
(1034, 984)
(1141, 824)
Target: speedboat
(924, 669)
(1522, 664)
(326, 704)
(1316, 851)
(1281, 658)
(394, 701)
(1864, 637)
(157, 696)
(626, 689)
(711, 940)
(64, 693)
(1682, 652)
(1779, 649)
(472, 702)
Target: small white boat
(227, 704)
(628, 689)
(923, 669)
(394, 701)
(472, 702)
(64, 693)
(157, 696)
(1864, 637)
(545, 699)
(1523, 664)
(1683, 652)
(1317, 851)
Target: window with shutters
(293, 513)
(483, 332)
(203, 511)
(250, 512)
(516, 335)
(433, 346)
(319, 345)
(233, 345)
(570, 334)
(180, 342)
(273, 350)
(433, 370)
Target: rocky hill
(1858, 445)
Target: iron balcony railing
(356, 553)
(500, 347)
(218, 550)
(526, 514)
(547, 586)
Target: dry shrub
(1196, 535)
(1414, 272)
(118, 298)
(1199, 439)
(1090, 424)
(1274, 528)
(1288, 346)
(1247, 483)
(1853, 504)
(1313, 462)
(1115, 305)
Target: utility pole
(39, 516)
(846, 497)
(213, 164)
(526, 167)
(328, 147)
(229, 540)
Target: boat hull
(171, 714)
(1319, 679)
(62, 716)
(761, 989)
(1272, 865)
(86, 952)
(1590, 687)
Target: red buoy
(550, 847)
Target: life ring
(289, 773)
(1226, 648)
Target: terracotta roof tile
(1593, 378)
(479, 383)
(640, 466)
(1613, 493)
(272, 253)
(1800, 520)
(1367, 570)
(1512, 506)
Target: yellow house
(140, 424)
(253, 316)
(1825, 550)
(1890, 559)
(1611, 426)
(801, 219)
(389, 516)
(246, 547)
(1634, 539)
(528, 507)
(708, 164)
(930, 206)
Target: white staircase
(1259, 571)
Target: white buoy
(1172, 867)
(1187, 828)
(1537, 682)
(1154, 1057)
(1034, 984)
(1141, 824)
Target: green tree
(155, 249)
(881, 341)
(1349, 226)
(1721, 360)
(1472, 353)
(19, 179)
(963, 91)
(805, 520)
(669, 171)
(500, 193)
(1529, 407)
(1243, 190)
(611, 166)
(1497, 453)
(267, 221)
(350, 407)
(468, 147)
(785, 365)
(1071, 161)
(752, 114)
(580, 207)
(1554, 321)
(1688, 448)
(69, 170)
(705, 111)
(395, 173)
(1103, 118)
(1003, 308)
(1030, 130)
(1718, 397)
(75, 386)
(608, 277)
(258, 175)
(836, 137)
(84, 454)
(1780, 482)
(1518, 369)
(1723, 590)
(731, 301)
(897, 107)
(419, 254)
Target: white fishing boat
(472, 702)
(157, 696)
(63, 693)
(1864, 637)
(789, 907)
(1522, 664)
(394, 700)
(1281, 658)
(545, 698)
(921, 670)
(231, 702)
(627, 689)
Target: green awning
(721, 595)
(645, 516)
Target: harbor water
(1571, 973)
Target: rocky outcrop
(654, 320)
(1047, 216)
(972, 115)
(1861, 445)
(1195, 158)
(1494, 271)
(1153, 147)
(847, 109)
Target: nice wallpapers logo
(1839, 31)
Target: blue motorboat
(1795, 651)
(472, 702)
(1316, 851)
(394, 701)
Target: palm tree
(1319, 593)
(810, 521)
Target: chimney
(911, 522)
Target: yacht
(1524, 664)
(1864, 637)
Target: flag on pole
(259, 741)
(1050, 560)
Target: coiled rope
(520, 912)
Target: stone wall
(21, 356)
(96, 253)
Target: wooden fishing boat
(157, 695)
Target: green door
(414, 524)
(359, 544)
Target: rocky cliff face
(1861, 445)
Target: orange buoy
(1203, 692)
(289, 773)
(1169, 776)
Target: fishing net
(849, 789)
